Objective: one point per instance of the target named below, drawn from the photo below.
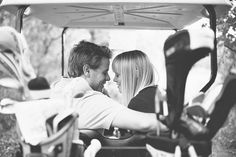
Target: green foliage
(9, 146)
(6, 19)
(226, 25)
(41, 38)
(226, 48)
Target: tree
(41, 38)
(224, 141)
(226, 25)
(7, 19)
(226, 28)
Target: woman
(135, 77)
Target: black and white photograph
(117, 78)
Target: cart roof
(124, 14)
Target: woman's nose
(115, 79)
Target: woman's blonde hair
(136, 72)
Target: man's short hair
(86, 53)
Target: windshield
(150, 42)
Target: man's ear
(86, 70)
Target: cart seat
(59, 142)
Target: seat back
(59, 142)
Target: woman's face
(117, 79)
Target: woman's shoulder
(149, 89)
(144, 100)
(147, 92)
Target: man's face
(99, 76)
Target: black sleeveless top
(144, 101)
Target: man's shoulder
(99, 98)
(71, 86)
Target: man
(88, 67)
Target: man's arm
(139, 121)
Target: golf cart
(140, 14)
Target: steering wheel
(108, 139)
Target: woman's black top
(144, 101)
